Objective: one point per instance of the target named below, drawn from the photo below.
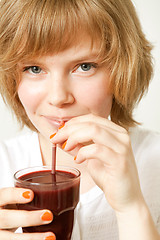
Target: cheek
(101, 103)
(97, 98)
(29, 96)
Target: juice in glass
(57, 192)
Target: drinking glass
(57, 192)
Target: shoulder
(19, 142)
(14, 155)
(17, 151)
(145, 142)
(146, 148)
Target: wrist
(133, 210)
(136, 223)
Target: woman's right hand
(13, 218)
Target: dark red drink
(58, 193)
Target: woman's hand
(106, 148)
(12, 218)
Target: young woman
(85, 64)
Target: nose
(59, 90)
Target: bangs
(49, 26)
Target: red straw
(53, 159)
(53, 171)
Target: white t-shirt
(95, 219)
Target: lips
(56, 121)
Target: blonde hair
(31, 28)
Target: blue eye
(33, 69)
(86, 69)
(86, 66)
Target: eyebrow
(94, 56)
(88, 57)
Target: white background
(148, 111)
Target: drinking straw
(53, 159)
(54, 147)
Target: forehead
(81, 47)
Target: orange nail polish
(61, 126)
(52, 135)
(26, 194)
(64, 144)
(47, 216)
(50, 238)
(75, 158)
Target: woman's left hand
(106, 148)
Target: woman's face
(56, 88)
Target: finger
(91, 118)
(95, 133)
(104, 154)
(15, 195)
(79, 122)
(98, 171)
(103, 161)
(100, 168)
(19, 218)
(5, 235)
(92, 127)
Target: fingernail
(47, 216)
(75, 158)
(52, 135)
(26, 194)
(50, 238)
(64, 144)
(61, 126)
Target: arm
(137, 223)
(106, 148)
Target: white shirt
(95, 219)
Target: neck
(46, 150)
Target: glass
(59, 193)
